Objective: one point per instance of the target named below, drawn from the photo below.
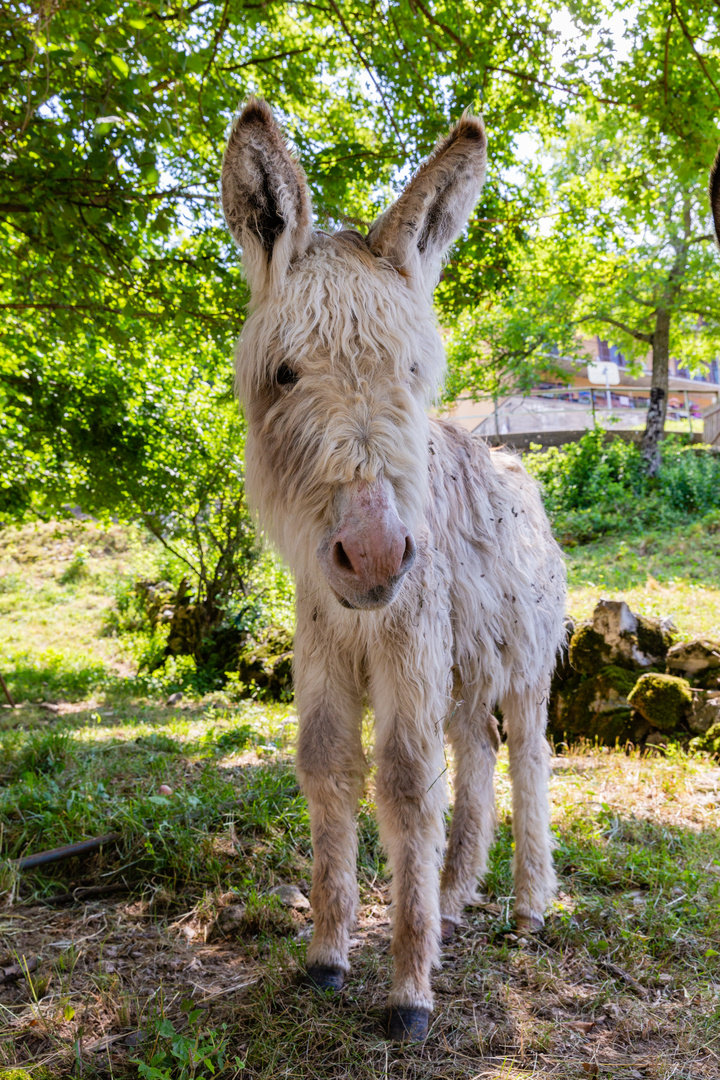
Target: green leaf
(120, 66)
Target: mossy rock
(597, 708)
(705, 711)
(698, 661)
(664, 700)
(654, 637)
(709, 742)
(615, 635)
(267, 665)
(588, 650)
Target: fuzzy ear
(265, 197)
(417, 230)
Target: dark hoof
(406, 1024)
(325, 978)
(447, 930)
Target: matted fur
(336, 365)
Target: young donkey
(427, 578)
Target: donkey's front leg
(331, 768)
(410, 797)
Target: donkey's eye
(413, 369)
(285, 376)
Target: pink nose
(370, 550)
(372, 556)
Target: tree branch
(446, 29)
(253, 61)
(637, 334)
(551, 86)
(700, 239)
(691, 39)
(638, 300)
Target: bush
(597, 485)
(248, 650)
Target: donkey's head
(340, 356)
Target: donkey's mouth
(377, 597)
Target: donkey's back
(506, 572)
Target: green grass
(672, 573)
(638, 858)
(139, 974)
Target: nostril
(341, 559)
(408, 554)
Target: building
(556, 412)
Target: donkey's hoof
(406, 1024)
(529, 924)
(447, 929)
(324, 978)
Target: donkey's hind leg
(473, 735)
(525, 720)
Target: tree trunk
(655, 425)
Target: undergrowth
(597, 486)
(633, 938)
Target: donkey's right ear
(265, 197)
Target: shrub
(597, 485)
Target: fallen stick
(620, 974)
(58, 854)
(28, 862)
(7, 693)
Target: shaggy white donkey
(427, 578)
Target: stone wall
(623, 679)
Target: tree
(643, 262)
(113, 118)
(620, 237)
(515, 335)
(140, 438)
(120, 293)
(622, 244)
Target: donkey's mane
(352, 242)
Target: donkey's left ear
(417, 230)
(265, 197)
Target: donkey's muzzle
(370, 552)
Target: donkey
(428, 581)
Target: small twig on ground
(85, 892)
(624, 976)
